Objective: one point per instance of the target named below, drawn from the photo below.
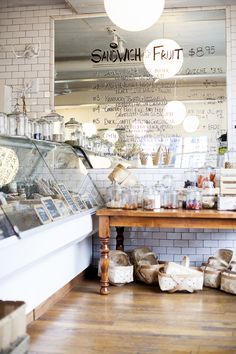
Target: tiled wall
(29, 25)
(26, 25)
(231, 74)
(168, 244)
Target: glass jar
(73, 131)
(129, 199)
(205, 174)
(57, 126)
(193, 199)
(148, 199)
(18, 122)
(171, 200)
(140, 191)
(114, 196)
(3, 124)
(190, 178)
(208, 196)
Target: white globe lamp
(191, 124)
(111, 135)
(163, 58)
(174, 112)
(134, 15)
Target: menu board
(67, 196)
(51, 208)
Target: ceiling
(93, 6)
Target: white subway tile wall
(29, 25)
(168, 244)
(23, 25)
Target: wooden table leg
(120, 238)
(104, 236)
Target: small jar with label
(193, 199)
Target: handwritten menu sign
(51, 208)
(134, 108)
(80, 203)
(67, 196)
(42, 214)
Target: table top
(169, 213)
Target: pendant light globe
(134, 15)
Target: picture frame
(80, 203)
(68, 198)
(87, 200)
(42, 214)
(51, 208)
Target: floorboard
(136, 319)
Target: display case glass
(41, 182)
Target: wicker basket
(211, 277)
(146, 266)
(228, 282)
(183, 282)
(120, 269)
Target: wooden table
(178, 218)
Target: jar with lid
(148, 199)
(205, 174)
(129, 198)
(18, 122)
(190, 178)
(3, 124)
(140, 191)
(171, 200)
(73, 131)
(193, 198)
(57, 126)
(114, 196)
(208, 196)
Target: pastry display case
(41, 182)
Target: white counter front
(45, 259)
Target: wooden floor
(136, 319)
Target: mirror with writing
(124, 111)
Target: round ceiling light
(174, 112)
(134, 15)
(191, 124)
(163, 58)
(111, 135)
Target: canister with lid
(129, 198)
(3, 124)
(193, 198)
(114, 196)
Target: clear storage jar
(193, 199)
(171, 199)
(3, 124)
(148, 199)
(208, 196)
(129, 198)
(114, 196)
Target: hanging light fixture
(190, 124)
(174, 112)
(163, 58)
(134, 15)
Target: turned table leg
(104, 236)
(120, 238)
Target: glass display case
(41, 182)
